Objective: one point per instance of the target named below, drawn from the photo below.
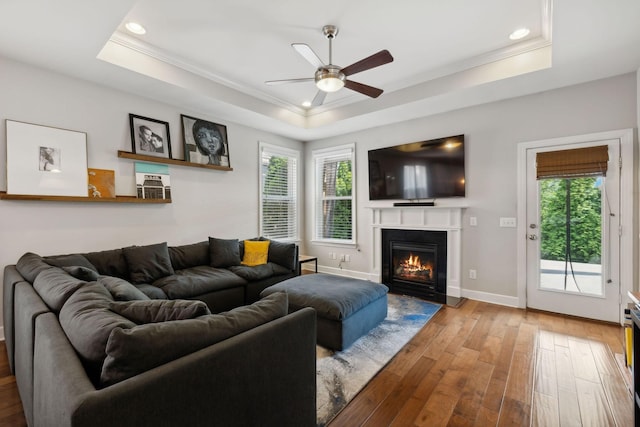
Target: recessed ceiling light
(519, 34)
(306, 104)
(135, 28)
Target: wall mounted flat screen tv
(418, 170)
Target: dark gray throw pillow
(153, 311)
(148, 263)
(224, 252)
(283, 254)
(30, 265)
(55, 287)
(121, 290)
(136, 350)
(82, 273)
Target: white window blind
(335, 194)
(278, 192)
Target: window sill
(334, 243)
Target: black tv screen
(418, 170)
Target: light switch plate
(507, 222)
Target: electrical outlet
(473, 221)
(347, 258)
(342, 258)
(507, 222)
(472, 274)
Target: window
(278, 192)
(335, 194)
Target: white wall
(492, 132)
(205, 202)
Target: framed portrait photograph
(150, 136)
(205, 142)
(46, 161)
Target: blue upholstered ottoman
(346, 308)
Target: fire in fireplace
(414, 262)
(412, 267)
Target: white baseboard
(1, 333)
(475, 295)
(490, 298)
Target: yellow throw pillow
(255, 252)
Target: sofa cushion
(283, 254)
(69, 260)
(135, 350)
(224, 252)
(148, 263)
(30, 265)
(87, 321)
(195, 281)
(255, 253)
(82, 273)
(153, 311)
(187, 256)
(55, 286)
(109, 263)
(151, 291)
(254, 273)
(121, 290)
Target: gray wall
(492, 132)
(205, 202)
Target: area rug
(341, 375)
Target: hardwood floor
(478, 365)
(487, 365)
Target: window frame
(318, 157)
(278, 151)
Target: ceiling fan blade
(375, 60)
(371, 91)
(319, 98)
(307, 53)
(279, 82)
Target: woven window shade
(578, 162)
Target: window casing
(335, 210)
(279, 192)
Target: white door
(573, 239)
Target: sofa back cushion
(87, 321)
(284, 254)
(148, 263)
(55, 286)
(109, 263)
(30, 265)
(69, 261)
(133, 351)
(187, 256)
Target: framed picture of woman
(205, 142)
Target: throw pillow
(121, 290)
(153, 311)
(148, 263)
(255, 253)
(30, 265)
(82, 273)
(136, 350)
(284, 254)
(55, 287)
(224, 253)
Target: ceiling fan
(330, 77)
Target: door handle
(533, 237)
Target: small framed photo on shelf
(150, 136)
(205, 142)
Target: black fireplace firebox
(414, 262)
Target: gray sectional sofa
(159, 336)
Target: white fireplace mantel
(432, 218)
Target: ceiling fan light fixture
(330, 79)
